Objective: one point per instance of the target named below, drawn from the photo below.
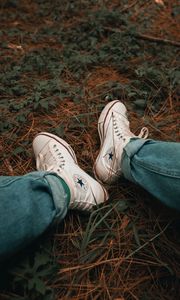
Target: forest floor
(61, 63)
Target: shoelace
(143, 133)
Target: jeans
(30, 203)
(155, 166)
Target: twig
(157, 39)
(147, 37)
(129, 6)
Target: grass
(61, 62)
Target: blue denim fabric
(155, 166)
(28, 205)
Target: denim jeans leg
(154, 165)
(28, 205)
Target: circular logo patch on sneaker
(80, 182)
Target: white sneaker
(54, 154)
(114, 132)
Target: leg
(28, 205)
(155, 166)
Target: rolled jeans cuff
(134, 145)
(60, 194)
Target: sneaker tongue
(45, 162)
